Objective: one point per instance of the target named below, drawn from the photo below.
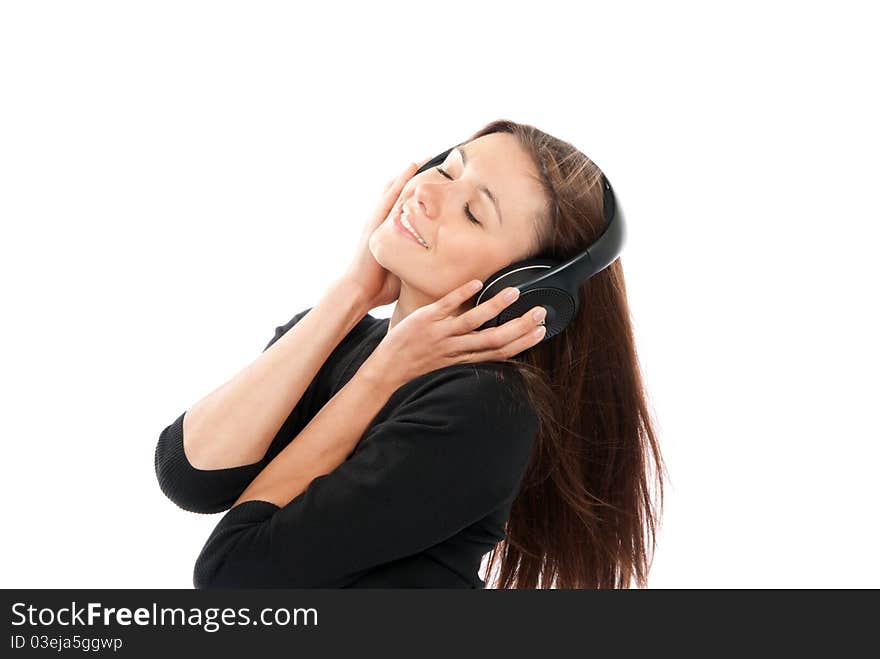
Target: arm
(448, 450)
(235, 423)
(214, 490)
(325, 443)
(222, 441)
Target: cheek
(408, 189)
(463, 251)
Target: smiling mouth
(404, 220)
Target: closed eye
(467, 209)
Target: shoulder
(488, 382)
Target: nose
(430, 198)
(424, 201)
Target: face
(470, 233)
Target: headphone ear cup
(558, 302)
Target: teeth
(405, 222)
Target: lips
(411, 221)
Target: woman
(417, 444)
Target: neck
(411, 299)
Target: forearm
(235, 424)
(325, 443)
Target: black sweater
(425, 494)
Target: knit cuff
(197, 490)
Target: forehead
(499, 162)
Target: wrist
(378, 375)
(349, 290)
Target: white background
(179, 178)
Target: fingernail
(538, 314)
(511, 294)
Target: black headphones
(548, 282)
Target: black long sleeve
(215, 490)
(447, 451)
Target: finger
(446, 305)
(392, 193)
(500, 342)
(402, 177)
(406, 174)
(485, 311)
(512, 349)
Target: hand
(433, 336)
(377, 285)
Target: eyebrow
(486, 191)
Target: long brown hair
(586, 515)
